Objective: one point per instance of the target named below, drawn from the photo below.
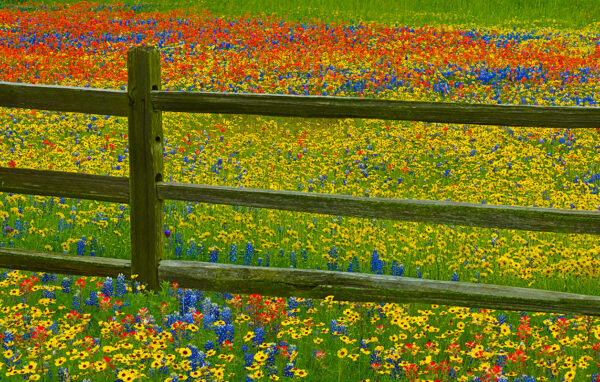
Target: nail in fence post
(145, 165)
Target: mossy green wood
(29, 260)
(66, 184)
(429, 211)
(145, 164)
(365, 287)
(348, 107)
(64, 98)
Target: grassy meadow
(481, 13)
(58, 327)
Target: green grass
(557, 14)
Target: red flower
(80, 283)
(227, 344)
(198, 316)
(73, 315)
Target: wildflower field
(70, 328)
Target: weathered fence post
(145, 164)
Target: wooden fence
(145, 191)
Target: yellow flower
(570, 375)
(218, 373)
(60, 361)
(184, 352)
(249, 336)
(30, 367)
(260, 357)
(343, 352)
(258, 375)
(99, 365)
(300, 373)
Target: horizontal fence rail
(64, 98)
(144, 190)
(365, 287)
(29, 260)
(346, 107)
(430, 211)
(116, 189)
(66, 184)
(313, 283)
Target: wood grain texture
(145, 165)
(64, 98)
(65, 184)
(343, 107)
(430, 211)
(374, 288)
(29, 260)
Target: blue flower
(107, 287)
(332, 263)
(66, 285)
(288, 372)
(353, 266)
(76, 303)
(248, 359)
(92, 300)
(214, 256)
(81, 246)
(259, 336)
(121, 287)
(233, 253)
(397, 270)
(376, 263)
(249, 253)
(292, 305)
(48, 278)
